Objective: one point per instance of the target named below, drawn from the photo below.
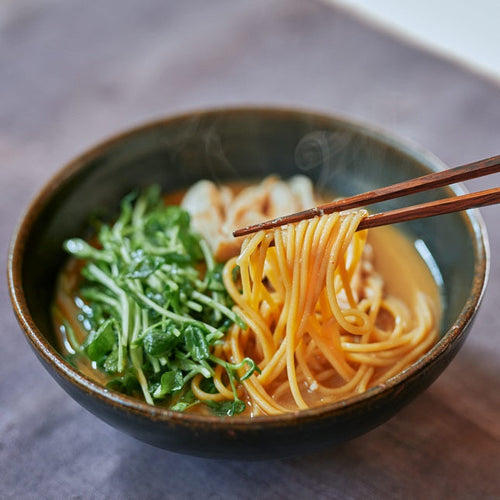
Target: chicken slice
(207, 206)
(215, 212)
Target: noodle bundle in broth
(303, 315)
(316, 338)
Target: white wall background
(464, 30)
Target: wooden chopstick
(437, 179)
(439, 207)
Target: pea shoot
(153, 305)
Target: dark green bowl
(224, 145)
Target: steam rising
(326, 152)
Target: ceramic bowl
(235, 144)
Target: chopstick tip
(277, 222)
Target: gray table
(73, 72)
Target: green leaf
(170, 381)
(226, 408)
(177, 258)
(196, 342)
(208, 385)
(126, 384)
(159, 343)
(111, 363)
(152, 196)
(181, 406)
(177, 216)
(185, 401)
(100, 343)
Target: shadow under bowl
(231, 145)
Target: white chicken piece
(215, 212)
(206, 204)
(302, 190)
(249, 206)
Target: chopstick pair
(454, 204)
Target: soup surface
(403, 268)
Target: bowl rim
(50, 355)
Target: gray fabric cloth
(73, 72)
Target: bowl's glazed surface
(229, 145)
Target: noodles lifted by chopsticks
(319, 326)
